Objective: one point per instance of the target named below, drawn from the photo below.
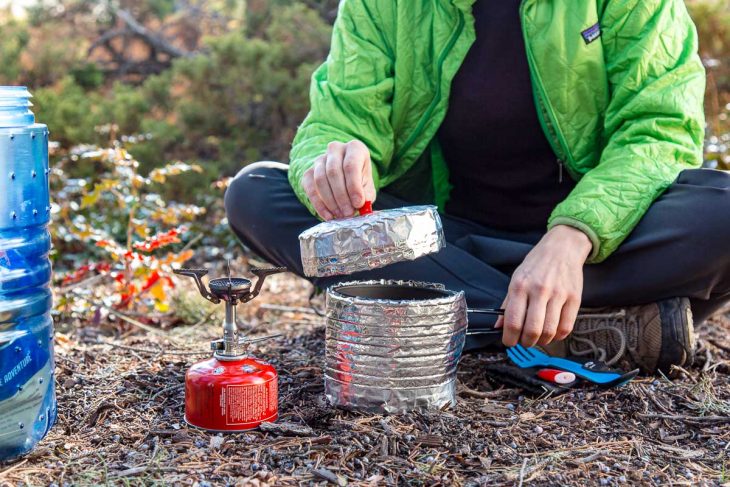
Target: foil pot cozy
(361, 243)
(392, 356)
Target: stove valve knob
(217, 345)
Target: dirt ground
(120, 421)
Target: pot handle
(366, 209)
(500, 312)
(485, 311)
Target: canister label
(242, 404)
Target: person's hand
(545, 291)
(340, 181)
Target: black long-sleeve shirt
(504, 173)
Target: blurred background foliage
(134, 89)
(222, 82)
(713, 25)
(215, 83)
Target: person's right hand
(340, 181)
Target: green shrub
(88, 75)
(68, 111)
(13, 41)
(239, 100)
(243, 100)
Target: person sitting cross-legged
(561, 142)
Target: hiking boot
(650, 337)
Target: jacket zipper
(560, 171)
(544, 113)
(427, 114)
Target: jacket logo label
(591, 33)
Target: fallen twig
(465, 390)
(287, 309)
(522, 472)
(684, 417)
(325, 474)
(166, 389)
(132, 321)
(287, 429)
(13, 467)
(149, 350)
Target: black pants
(681, 247)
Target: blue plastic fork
(590, 371)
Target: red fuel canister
(236, 395)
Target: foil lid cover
(361, 243)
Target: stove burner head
(224, 287)
(233, 290)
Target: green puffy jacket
(620, 106)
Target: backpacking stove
(231, 391)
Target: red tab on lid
(366, 209)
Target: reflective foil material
(371, 241)
(393, 355)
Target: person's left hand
(544, 294)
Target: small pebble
(603, 481)
(622, 479)
(538, 430)
(216, 442)
(511, 407)
(255, 467)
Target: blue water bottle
(27, 394)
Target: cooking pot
(393, 346)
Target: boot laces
(603, 336)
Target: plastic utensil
(590, 371)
